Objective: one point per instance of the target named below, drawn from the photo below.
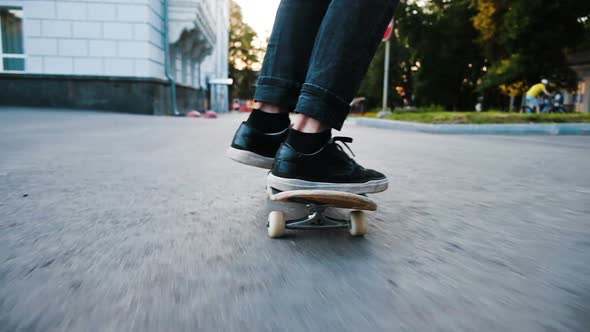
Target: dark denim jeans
(318, 54)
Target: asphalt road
(112, 222)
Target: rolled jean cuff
(323, 105)
(277, 91)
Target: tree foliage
(442, 39)
(434, 56)
(528, 40)
(449, 52)
(244, 55)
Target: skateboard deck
(329, 198)
(316, 202)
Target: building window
(11, 40)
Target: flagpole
(386, 39)
(386, 75)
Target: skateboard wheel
(358, 223)
(276, 224)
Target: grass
(483, 117)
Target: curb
(483, 129)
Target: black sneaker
(255, 148)
(330, 168)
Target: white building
(112, 54)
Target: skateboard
(316, 202)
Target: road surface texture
(113, 222)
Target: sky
(260, 15)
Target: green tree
(447, 61)
(434, 57)
(525, 40)
(244, 55)
(585, 44)
(452, 51)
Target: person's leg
(286, 60)
(346, 43)
(283, 72)
(528, 104)
(537, 105)
(287, 54)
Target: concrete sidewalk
(479, 129)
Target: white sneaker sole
(285, 184)
(249, 158)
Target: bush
(426, 109)
(487, 117)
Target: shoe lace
(343, 140)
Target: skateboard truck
(316, 202)
(316, 219)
